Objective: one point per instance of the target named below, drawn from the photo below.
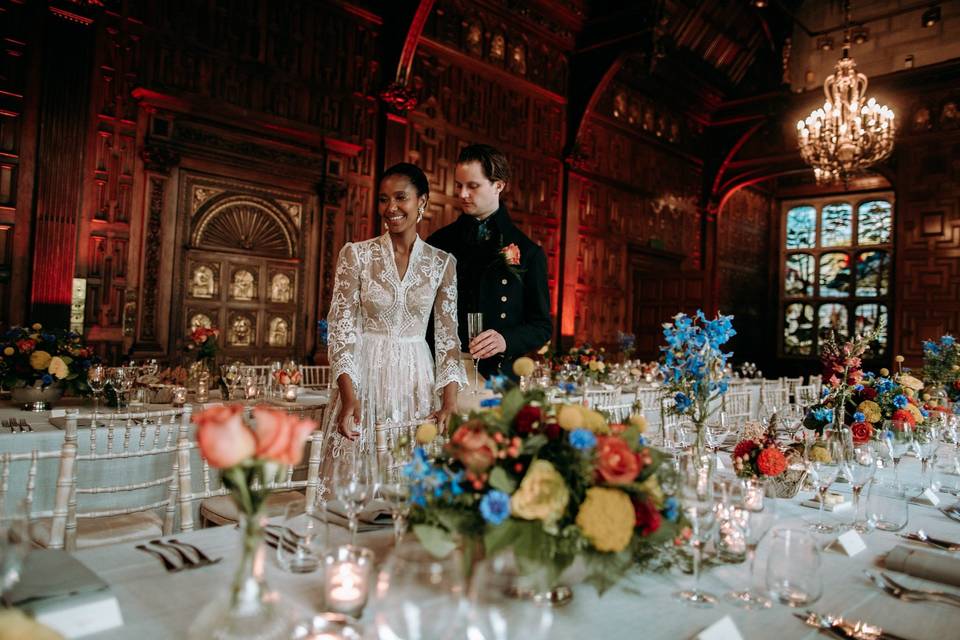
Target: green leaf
(606, 569)
(533, 444)
(501, 480)
(511, 404)
(435, 540)
(501, 536)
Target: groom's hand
(487, 344)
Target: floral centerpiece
(586, 359)
(550, 482)
(39, 358)
(941, 365)
(249, 458)
(881, 398)
(759, 458)
(695, 366)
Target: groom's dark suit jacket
(517, 307)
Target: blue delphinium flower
(924, 412)
(682, 402)
(900, 401)
(641, 441)
(947, 341)
(490, 402)
(824, 392)
(47, 379)
(582, 439)
(495, 507)
(858, 387)
(930, 347)
(859, 417)
(822, 414)
(883, 385)
(671, 509)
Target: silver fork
(25, 425)
(907, 594)
(10, 424)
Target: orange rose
(861, 431)
(511, 254)
(473, 446)
(280, 436)
(616, 462)
(223, 437)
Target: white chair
(259, 371)
(121, 479)
(26, 469)
(816, 381)
(807, 395)
(736, 406)
(217, 506)
(315, 376)
(792, 384)
(394, 444)
(774, 396)
(649, 403)
(597, 398)
(618, 412)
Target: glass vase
(249, 610)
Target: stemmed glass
(716, 433)
(419, 596)
(116, 376)
(394, 488)
(759, 516)
(354, 486)
(926, 440)
(475, 328)
(860, 464)
(696, 500)
(96, 378)
(898, 438)
(496, 611)
(824, 460)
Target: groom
(500, 271)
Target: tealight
(290, 393)
(347, 575)
(179, 397)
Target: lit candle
(347, 579)
(179, 396)
(290, 393)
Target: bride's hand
(348, 419)
(442, 417)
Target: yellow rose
(594, 421)
(523, 366)
(58, 368)
(884, 372)
(569, 417)
(870, 410)
(639, 421)
(606, 518)
(819, 453)
(915, 412)
(36, 326)
(595, 365)
(601, 366)
(542, 494)
(9, 351)
(910, 382)
(426, 433)
(39, 360)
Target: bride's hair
(413, 173)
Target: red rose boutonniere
(509, 256)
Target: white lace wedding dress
(377, 336)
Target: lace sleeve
(446, 342)
(343, 321)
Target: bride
(384, 291)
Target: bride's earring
(420, 214)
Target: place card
(851, 543)
(927, 497)
(722, 629)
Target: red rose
(616, 462)
(771, 462)
(744, 448)
(553, 430)
(868, 393)
(528, 419)
(647, 517)
(901, 416)
(26, 345)
(473, 446)
(862, 432)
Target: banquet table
(159, 605)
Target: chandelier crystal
(850, 132)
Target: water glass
(888, 504)
(497, 610)
(354, 485)
(302, 538)
(793, 568)
(419, 596)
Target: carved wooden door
(242, 271)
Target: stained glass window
(801, 227)
(836, 224)
(873, 273)
(834, 275)
(798, 329)
(873, 222)
(799, 275)
(837, 257)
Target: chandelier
(849, 133)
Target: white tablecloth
(159, 605)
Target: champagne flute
(860, 466)
(354, 487)
(96, 378)
(475, 328)
(824, 459)
(394, 489)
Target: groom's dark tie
(481, 231)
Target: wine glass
(793, 568)
(116, 377)
(394, 488)
(860, 464)
(824, 461)
(474, 329)
(716, 433)
(497, 612)
(926, 441)
(898, 438)
(96, 378)
(354, 486)
(302, 538)
(696, 500)
(419, 596)
(759, 516)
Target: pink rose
(280, 436)
(473, 446)
(511, 254)
(616, 462)
(223, 437)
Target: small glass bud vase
(179, 397)
(290, 393)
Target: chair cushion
(94, 532)
(221, 510)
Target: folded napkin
(930, 565)
(375, 516)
